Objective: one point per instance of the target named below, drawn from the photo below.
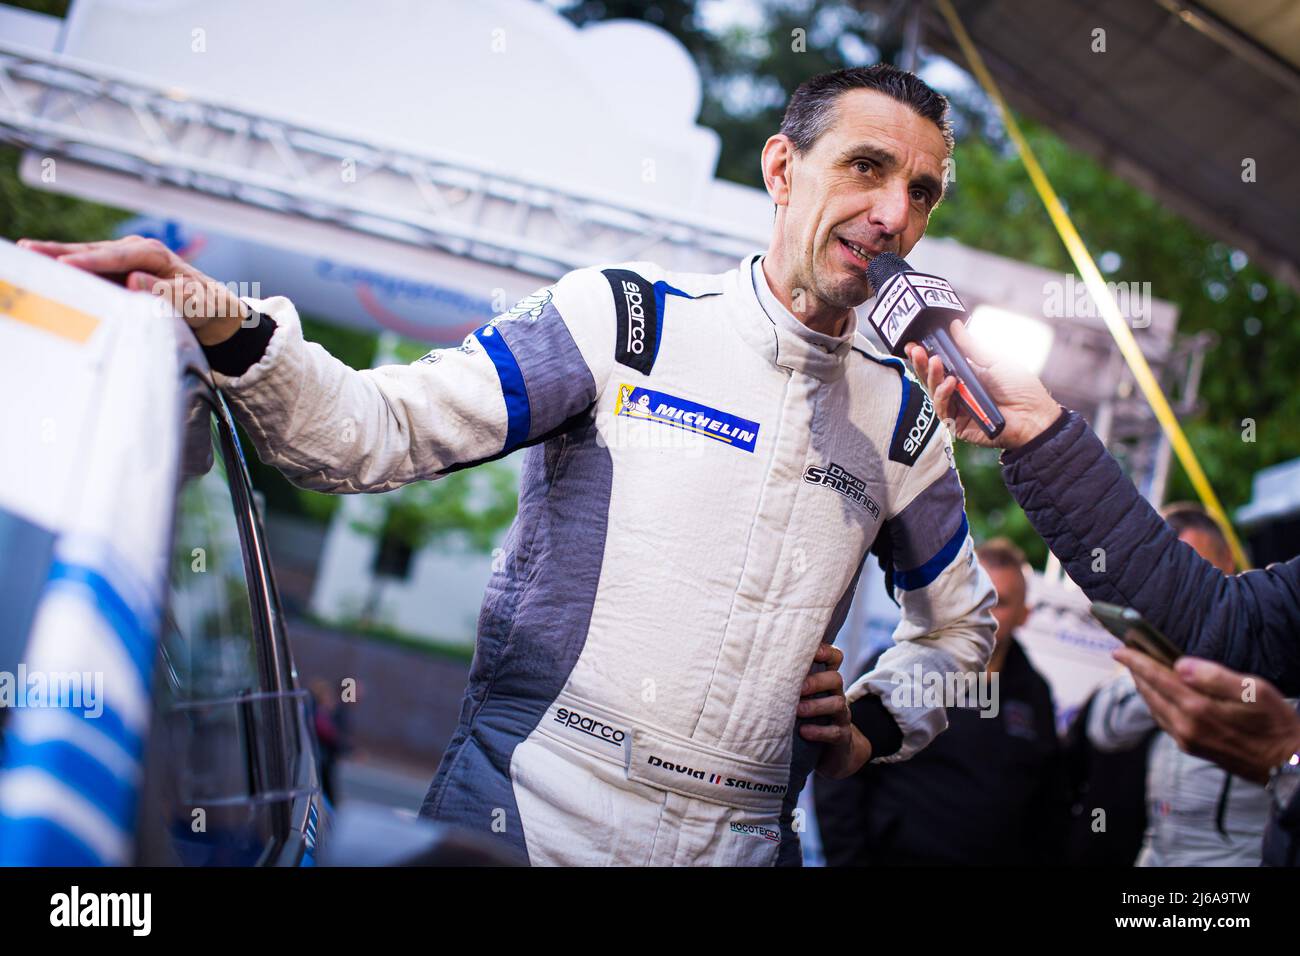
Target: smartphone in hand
(1136, 632)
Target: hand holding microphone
(1024, 403)
(990, 401)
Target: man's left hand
(1240, 722)
(845, 750)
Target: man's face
(1211, 547)
(1011, 610)
(870, 181)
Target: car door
(230, 771)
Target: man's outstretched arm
(1116, 547)
(329, 427)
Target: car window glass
(211, 712)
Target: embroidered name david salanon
(652, 406)
(850, 486)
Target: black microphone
(914, 307)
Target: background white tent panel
(504, 81)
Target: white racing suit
(1197, 813)
(703, 483)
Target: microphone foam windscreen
(882, 267)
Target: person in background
(1197, 814)
(990, 790)
(329, 720)
(1109, 816)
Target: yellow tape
(48, 315)
(1096, 286)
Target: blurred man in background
(990, 790)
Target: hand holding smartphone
(1136, 632)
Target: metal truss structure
(61, 107)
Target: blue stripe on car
(32, 840)
(35, 841)
(81, 772)
(110, 723)
(137, 639)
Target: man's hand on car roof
(214, 312)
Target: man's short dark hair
(812, 107)
(1001, 553)
(1189, 516)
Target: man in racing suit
(710, 459)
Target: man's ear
(1021, 616)
(776, 160)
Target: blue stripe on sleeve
(518, 411)
(926, 573)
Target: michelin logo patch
(915, 426)
(667, 409)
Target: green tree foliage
(53, 8)
(37, 213)
(466, 510)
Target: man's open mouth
(862, 255)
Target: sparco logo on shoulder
(837, 479)
(635, 318)
(916, 435)
(917, 423)
(637, 314)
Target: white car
(150, 705)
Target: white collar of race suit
(784, 339)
